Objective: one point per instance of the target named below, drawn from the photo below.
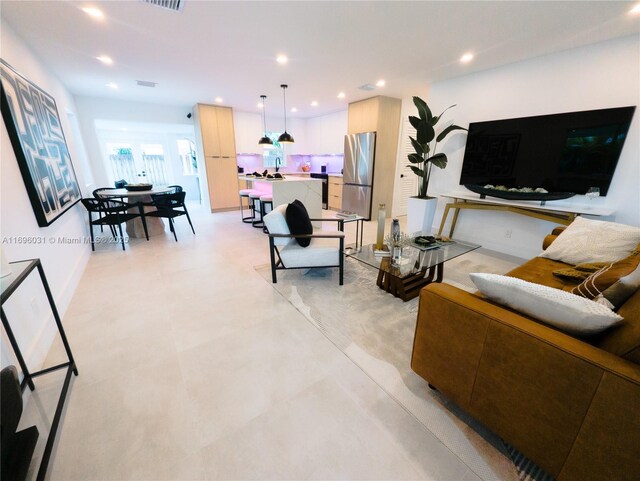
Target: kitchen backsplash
(334, 163)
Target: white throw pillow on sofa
(587, 240)
(570, 313)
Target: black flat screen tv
(568, 152)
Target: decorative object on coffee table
(382, 214)
(397, 242)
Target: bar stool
(254, 196)
(264, 201)
(244, 194)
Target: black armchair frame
(278, 264)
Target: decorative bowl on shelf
(515, 195)
(138, 187)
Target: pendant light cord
(284, 103)
(264, 114)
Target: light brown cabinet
(363, 115)
(226, 134)
(222, 179)
(216, 139)
(381, 115)
(335, 193)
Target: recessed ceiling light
(314, 103)
(341, 95)
(466, 58)
(380, 83)
(93, 12)
(112, 85)
(219, 100)
(105, 60)
(293, 109)
(635, 10)
(282, 59)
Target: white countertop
(300, 172)
(288, 178)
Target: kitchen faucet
(277, 164)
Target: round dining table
(155, 225)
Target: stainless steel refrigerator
(359, 150)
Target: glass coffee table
(416, 268)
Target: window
(122, 163)
(136, 163)
(274, 153)
(187, 153)
(153, 164)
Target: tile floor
(192, 367)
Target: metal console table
(9, 285)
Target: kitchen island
(284, 191)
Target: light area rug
(375, 330)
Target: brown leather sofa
(570, 405)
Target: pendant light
(285, 138)
(264, 140)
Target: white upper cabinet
(317, 136)
(248, 129)
(325, 135)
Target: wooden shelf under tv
(555, 211)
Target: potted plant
(422, 208)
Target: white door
(406, 184)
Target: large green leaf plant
(425, 155)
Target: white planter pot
(420, 214)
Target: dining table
(155, 225)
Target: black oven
(325, 188)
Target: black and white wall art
(33, 124)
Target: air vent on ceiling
(175, 5)
(146, 83)
(367, 87)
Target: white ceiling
(228, 49)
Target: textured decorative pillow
(616, 282)
(579, 272)
(570, 313)
(586, 240)
(298, 221)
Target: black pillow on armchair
(298, 221)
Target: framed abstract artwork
(33, 124)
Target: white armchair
(325, 250)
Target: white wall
(63, 263)
(593, 77)
(91, 109)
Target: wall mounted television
(568, 152)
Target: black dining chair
(176, 188)
(98, 194)
(113, 213)
(167, 206)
